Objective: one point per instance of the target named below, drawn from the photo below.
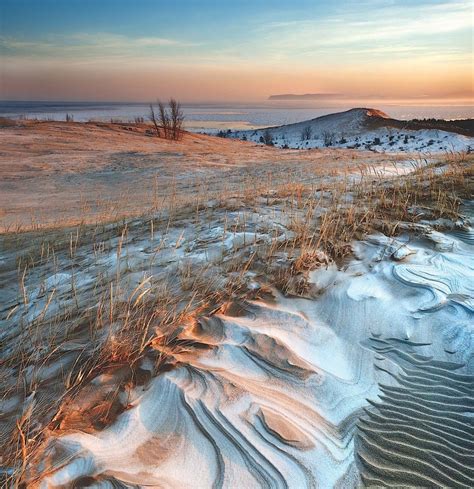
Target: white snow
(350, 130)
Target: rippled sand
(368, 381)
(326, 373)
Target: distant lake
(213, 117)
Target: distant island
(305, 96)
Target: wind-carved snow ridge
(367, 381)
(364, 129)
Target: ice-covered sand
(369, 379)
(366, 377)
(361, 129)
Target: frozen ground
(355, 129)
(95, 172)
(370, 378)
(261, 361)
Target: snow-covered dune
(327, 391)
(215, 343)
(360, 128)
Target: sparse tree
(164, 119)
(176, 119)
(306, 133)
(154, 120)
(328, 138)
(168, 122)
(267, 138)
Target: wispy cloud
(387, 47)
(89, 45)
(377, 29)
(356, 32)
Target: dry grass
(117, 320)
(118, 170)
(425, 194)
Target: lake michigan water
(213, 117)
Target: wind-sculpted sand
(421, 431)
(261, 335)
(369, 380)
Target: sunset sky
(137, 50)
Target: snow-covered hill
(360, 128)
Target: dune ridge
(364, 129)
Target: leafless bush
(154, 120)
(306, 133)
(328, 138)
(164, 119)
(168, 122)
(267, 138)
(176, 118)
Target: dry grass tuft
(110, 326)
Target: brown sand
(56, 173)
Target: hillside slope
(362, 128)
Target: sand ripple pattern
(367, 382)
(421, 433)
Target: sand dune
(364, 129)
(420, 433)
(259, 334)
(68, 173)
(370, 380)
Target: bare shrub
(154, 120)
(267, 138)
(168, 122)
(328, 138)
(164, 119)
(176, 118)
(306, 133)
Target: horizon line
(338, 100)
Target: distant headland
(305, 96)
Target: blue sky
(199, 18)
(240, 49)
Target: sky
(241, 50)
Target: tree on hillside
(176, 119)
(164, 119)
(328, 138)
(267, 138)
(306, 133)
(154, 120)
(169, 121)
